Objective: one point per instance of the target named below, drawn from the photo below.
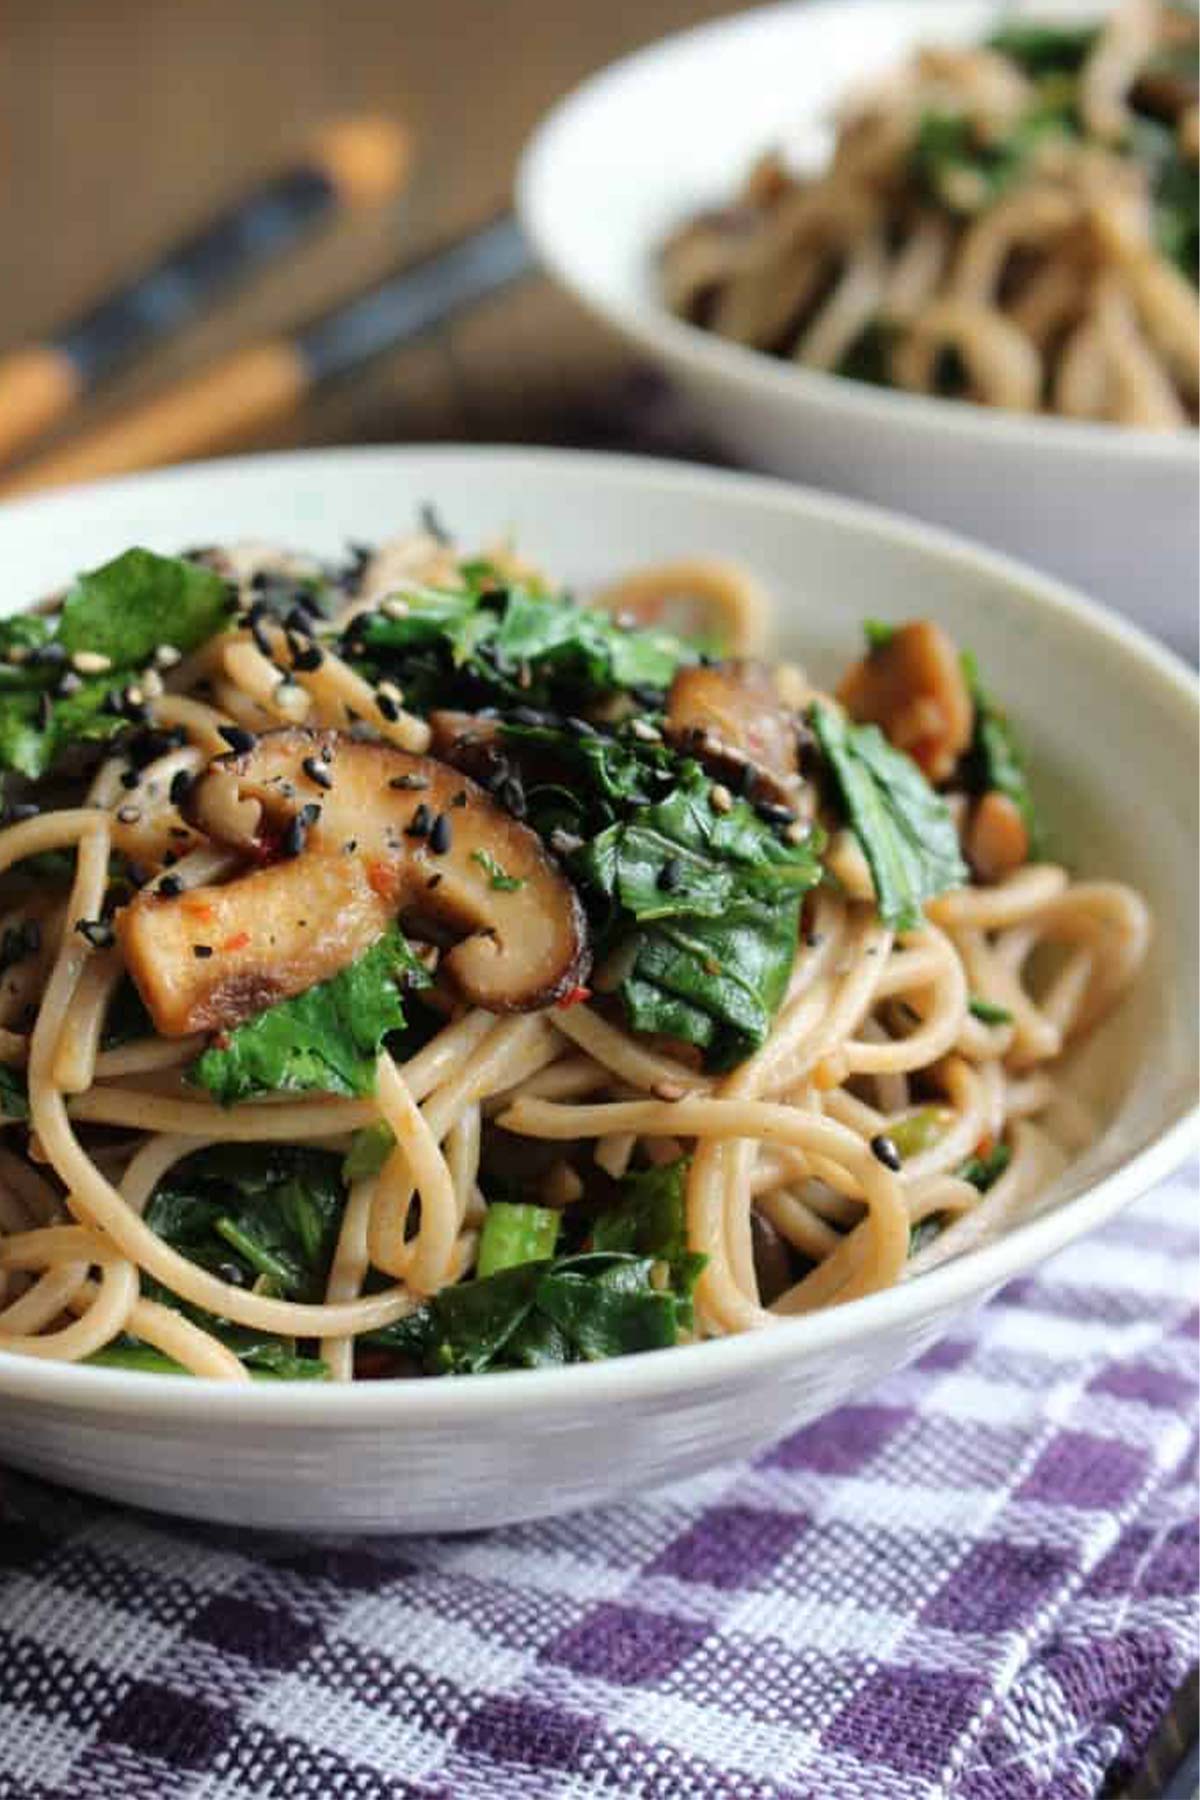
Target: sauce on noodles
(805, 1045)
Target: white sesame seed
(166, 656)
(152, 685)
(721, 799)
(394, 608)
(646, 734)
(135, 695)
(91, 662)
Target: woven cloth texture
(976, 1583)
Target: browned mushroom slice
(912, 686)
(730, 717)
(207, 959)
(435, 846)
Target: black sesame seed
(316, 771)
(299, 620)
(202, 951)
(434, 880)
(460, 799)
(129, 778)
(387, 708)
(409, 782)
(884, 1151)
(169, 886)
(49, 655)
(98, 932)
(241, 742)
(180, 788)
(421, 822)
(670, 875)
(305, 656)
(771, 814)
(441, 836)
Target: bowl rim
(660, 333)
(325, 1406)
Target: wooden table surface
(125, 121)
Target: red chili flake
(574, 996)
(238, 941)
(383, 878)
(986, 1145)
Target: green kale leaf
(263, 1216)
(123, 611)
(508, 643)
(996, 758)
(582, 1308)
(903, 827)
(650, 1219)
(326, 1039)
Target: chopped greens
(1042, 47)
(499, 878)
(706, 907)
(920, 1130)
(627, 1288)
(507, 643)
(987, 1012)
(650, 1220)
(262, 1216)
(904, 828)
(983, 1171)
(513, 1234)
(129, 607)
(119, 614)
(573, 1309)
(369, 1150)
(14, 1096)
(996, 758)
(326, 1039)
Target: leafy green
(369, 1150)
(920, 1130)
(966, 173)
(262, 1216)
(868, 356)
(650, 1220)
(1042, 47)
(984, 1171)
(706, 906)
(266, 1361)
(574, 1309)
(514, 1234)
(501, 880)
(124, 611)
(987, 1012)
(129, 607)
(327, 1038)
(904, 828)
(996, 758)
(14, 1097)
(508, 643)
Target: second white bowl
(673, 129)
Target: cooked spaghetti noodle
(1015, 224)
(780, 1023)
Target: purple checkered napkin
(978, 1584)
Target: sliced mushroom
(206, 959)
(912, 686)
(421, 838)
(729, 717)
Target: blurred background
(130, 121)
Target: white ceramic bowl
(1112, 721)
(640, 147)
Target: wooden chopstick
(258, 386)
(352, 163)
